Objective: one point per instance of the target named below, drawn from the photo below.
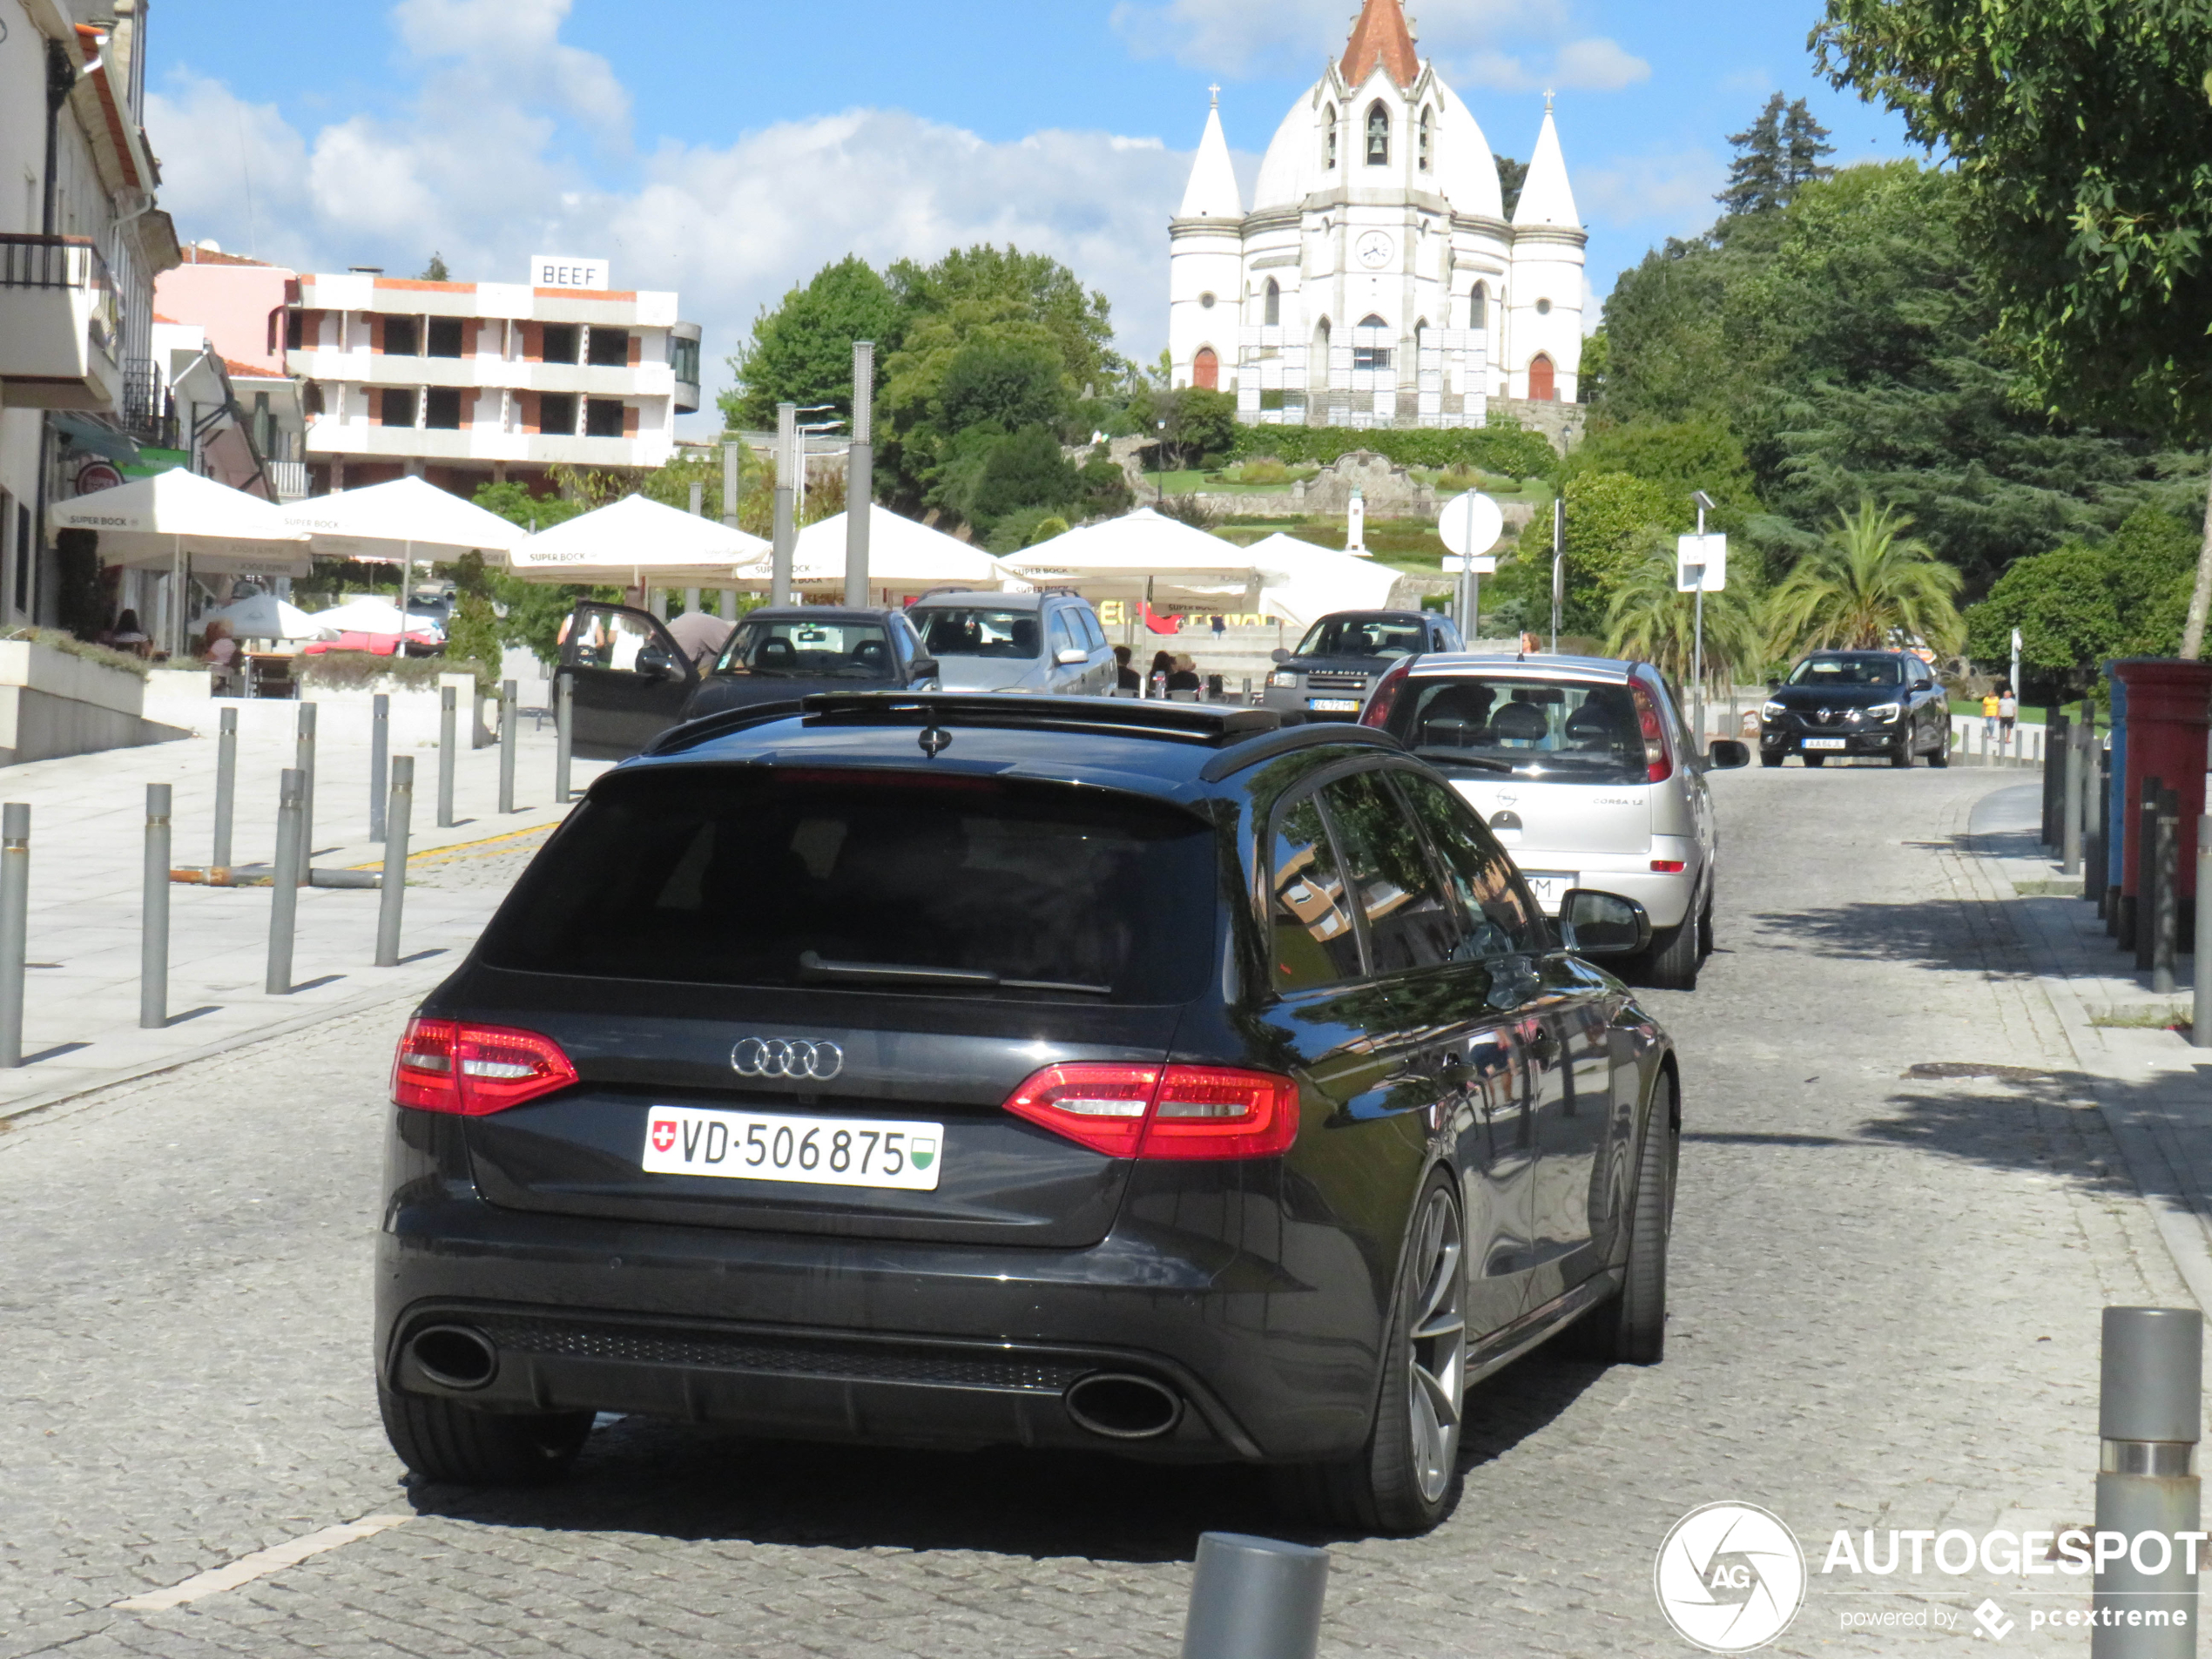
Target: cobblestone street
(1885, 1299)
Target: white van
(1586, 771)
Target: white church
(1376, 282)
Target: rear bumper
(1665, 897)
(1301, 700)
(862, 1341)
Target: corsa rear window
(758, 877)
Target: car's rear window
(1560, 730)
(978, 630)
(764, 877)
(783, 649)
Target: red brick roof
(1381, 37)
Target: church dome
(1293, 167)
(1466, 168)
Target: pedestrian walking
(1220, 627)
(1991, 707)
(2008, 711)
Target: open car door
(630, 679)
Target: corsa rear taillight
(1179, 1112)
(1384, 702)
(475, 1070)
(1658, 760)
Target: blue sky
(729, 149)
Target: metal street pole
(1697, 647)
(507, 735)
(393, 896)
(1559, 564)
(564, 737)
(447, 737)
(153, 928)
(380, 757)
(731, 484)
(15, 914)
(1255, 1598)
(284, 895)
(225, 796)
(304, 749)
(859, 474)
(2149, 1419)
(790, 468)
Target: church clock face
(1376, 250)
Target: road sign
(1472, 525)
(1700, 564)
(1485, 564)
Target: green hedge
(1507, 450)
(359, 670)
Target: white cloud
(1672, 190)
(478, 171)
(1594, 65)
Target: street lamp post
(1705, 504)
(1559, 564)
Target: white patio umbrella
(905, 557)
(1143, 554)
(636, 543)
(369, 615)
(177, 521)
(1301, 584)
(400, 522)
(262, 616)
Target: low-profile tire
(1671, 964)
(1406, 1479)
(1772, 760)
(1631, 1328)
(444, 1440)
(1940, 757)
(1815, 761)
(1901, 757)
(1707, 940)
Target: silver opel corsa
(1585, 771)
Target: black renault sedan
(630, 679)
(1886, 704)
(1343, 656)
(958, 1071)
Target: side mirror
(1774, 685)
(1728, 755)
(922, 668)
(654, 661)
(1603, 924)
(1279, 655)
(1073, 658)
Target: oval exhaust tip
(453, 1356)
(1121, 1407)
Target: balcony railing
(149, 413)
(34, 261)
(289, 478)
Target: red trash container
(2170, 714)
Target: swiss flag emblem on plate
(664, 1135)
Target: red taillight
(1667, 867)
(1658, 760)
(1176, 1112)
(475, 1070)
(1388, 690)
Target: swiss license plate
(1552, 887)
(813, 1151)
(1824, 743)
(1333, 704)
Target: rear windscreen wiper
(1434, 759)
(815, 971)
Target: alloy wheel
(1436, 1374)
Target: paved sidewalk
(2153, 1089)
(88, 820)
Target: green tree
(802, 350)
(1011, 381)
(435, 271)
(1868, 585)
(1512, 177)
(1195, 423)
(2089, 601)
(1784, 150)
(473, 635)
(1026, 469)
(1038, 289)
(2083, 150)
(1647, 620)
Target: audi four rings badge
(784, 1057)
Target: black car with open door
(633, 680)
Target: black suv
(632, 680)
(962, 1070)
(1883, 703)
(1342, 656)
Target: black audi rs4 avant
(1193, 1083)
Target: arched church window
(1479, 308)
(1378, 136)
(1272, 317)
(1371, 344)
(1329, 143)
(1543, 380)
(1318, 366)
(1206, 370)
(1428, 137)
(1421, 337)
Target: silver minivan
(1048, 642)
(1585, 770)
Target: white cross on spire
(1216, 90)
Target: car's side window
(1093, 636)
(1313, 938)
(1061, 637)
(1498, 922)
(611, 637)
(1410, 921)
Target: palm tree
(1649, 621)
(1870, 586)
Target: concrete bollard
(2201, 1021)
(2070, 811)
(563, 738)
(284, 896)
(507, 737)
(153, 931)
(393, 896)
(2148, 1417)
(380, 760)
(1254, 1598)
(2166, 917)
(304, 760)
(15, 918)
(226, 798)
(448, 710)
